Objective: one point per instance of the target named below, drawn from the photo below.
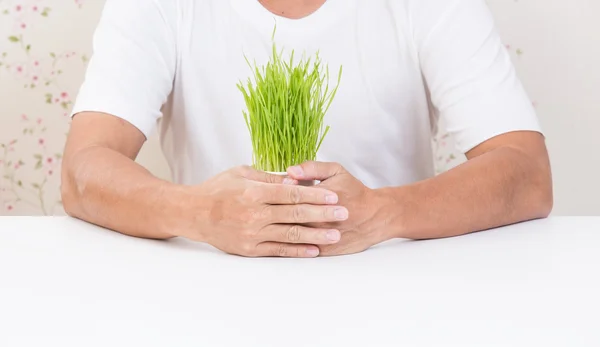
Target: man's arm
(241, 211)
(128, 79)
(484, 107)
(506, 180)
(102, 184)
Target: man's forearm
(103, 187)
(501, 187)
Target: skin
(506, 180)
(292, 9)
(240, 211)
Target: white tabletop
(66, 283)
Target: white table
(66, 283)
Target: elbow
(536, 181)
(68, 201)
(68, 193)
(542, 193)
(545, 203)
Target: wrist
(392, 211)
(182, 211)
(163, 208)
(168, 209)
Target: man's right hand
(241, 211)
(250, 213)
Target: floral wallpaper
(44, 49)
(33, 129)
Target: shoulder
(169, 10)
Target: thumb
(314, 170)
(265, 177)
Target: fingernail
(333, 235)
(312, 252)
(288, 181)
(297, 171)
(331, 199)
(341, 214)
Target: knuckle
(252, 194)
(280, 250)
(248, 249)
(264, 214)
(295, 195)
(293, 233)
(245, 171)
(298, 214)
(250, 216)
(272, 179)
(248, 234)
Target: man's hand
(250, 213)
(365, 226)
(506, 180)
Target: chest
(370, 42)
(381, 97)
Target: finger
(251, 173)
(304, 213)
(296, 194)
(294, 233)
(314, 170)
(276, 249)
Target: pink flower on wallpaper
(30, 178)
(23, 12)
(30, 70)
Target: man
(406, 63)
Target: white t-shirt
(176, 63)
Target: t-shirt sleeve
(472, 82)
(131, 71)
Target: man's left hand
(366, 225)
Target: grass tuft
(286, 103)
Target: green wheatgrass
(286, 104)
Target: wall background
(45, 45)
